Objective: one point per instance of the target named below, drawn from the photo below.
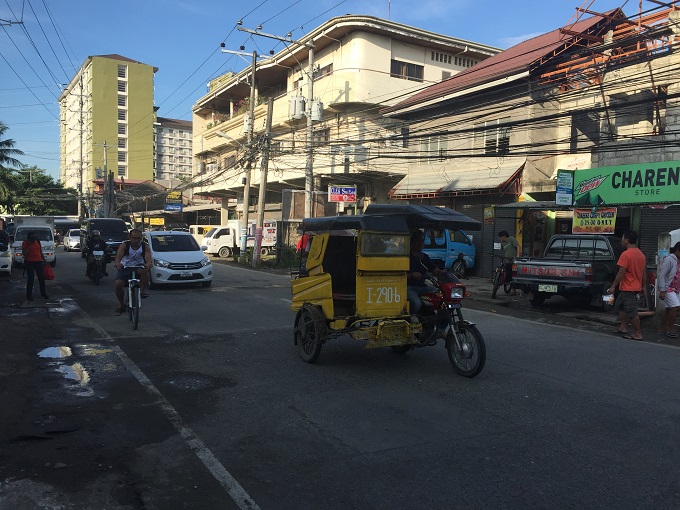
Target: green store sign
(644, 183)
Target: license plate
(185, 274)
(547, 288)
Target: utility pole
(246, 185)
(80, 185)
(309, 167)
(263, 183)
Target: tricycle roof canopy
(375, 223)
(418, 216)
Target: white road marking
(237, 493)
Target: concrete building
(597, 93)
(107, 117)
(173, 143)
(361, 64)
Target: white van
(198, 231)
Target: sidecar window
(382, 245)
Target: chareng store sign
(644, 183)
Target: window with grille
(122, 143)
(122, 86)
(492, 137)
(324, 71)
(122, 129)
(406, 71)
(122, 100)
(321, 137)
(433, 149)
(122, 171)
(122, 157)
(122, 71)
(122, 115)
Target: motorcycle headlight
(457, 293)
(161, 263)
(205, 261)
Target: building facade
(599, 93)
(106, 124)
(173, 149)
(361, 64)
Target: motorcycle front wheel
(468, 359)
(97, 273)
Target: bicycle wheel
(496, 284)
(507, 286)
(134, 306)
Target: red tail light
(514, 270)
(589, 274)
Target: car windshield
(171, 242)
(110, 229)
(74, 233)
(210, 232)
(43, 234)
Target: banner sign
(594, 221)
(346, 193)
(643, 183)
(175, 208)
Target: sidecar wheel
(468, 361)
(310, 330)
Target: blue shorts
(125, 273)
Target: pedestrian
(668, 282)
(34, 261)
(510, 249)
(631, 280)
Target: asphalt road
(208, 405)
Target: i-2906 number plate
(382, 295)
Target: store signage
(342, 193)
(173, 201)
(644, 183)
(594, 221)
(564, 192)
(177, 208)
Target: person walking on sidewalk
(34, 261)
(668, 282)
(510, 249)
(631, 279)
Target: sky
(182, 39)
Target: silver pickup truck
(572, 266)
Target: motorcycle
(97, 266)
(441, 318)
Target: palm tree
(7, 163)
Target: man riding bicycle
(95, 243)
(132, 253)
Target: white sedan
(72, 240)
(177, 258)
(5, 259)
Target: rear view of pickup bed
(572, 266)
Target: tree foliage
(28, 190)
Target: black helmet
(96, 233)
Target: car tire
(54, 262)
(206, 284)
(224, 252)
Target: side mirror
(203, 248)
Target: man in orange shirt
(34, 261)
(631, 279)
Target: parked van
(113, 231)
(225, 240)
(445, 247)
(198, 231)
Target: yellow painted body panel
(386, 332)
(381, 294)
(315, 289)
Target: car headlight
(457, 293)
(161, 263)
(205, 261)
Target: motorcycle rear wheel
(469, 361)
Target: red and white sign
(342, 193)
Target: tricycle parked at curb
(355, 282)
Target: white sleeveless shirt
(134, 257)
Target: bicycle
(133, 296)
(500, 277)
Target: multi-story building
(361, 64)
(598, 96)
(107, 117)
(174, 159)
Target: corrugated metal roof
(514, 60)
(476, 175)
